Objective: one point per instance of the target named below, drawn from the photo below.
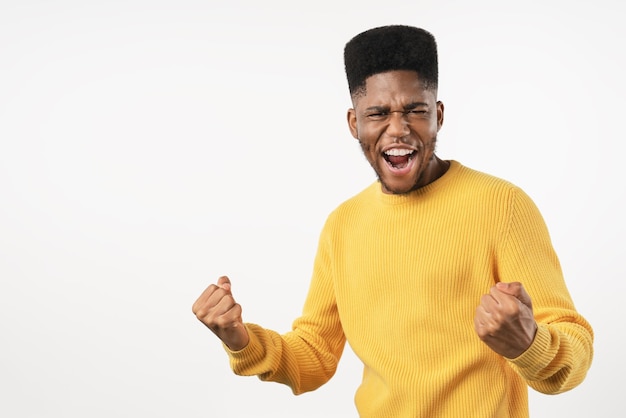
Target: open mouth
(399, 158)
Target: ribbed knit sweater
(400, 276)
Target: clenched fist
(504, 319)
(216, 308)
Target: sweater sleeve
(562, 351)
(306, 357)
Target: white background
(147, 147)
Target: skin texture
(396, 114)
(216, 308)
(504, 319)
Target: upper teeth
(398, 151)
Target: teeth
(398, 152)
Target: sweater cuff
(535, 357)
(251, 354)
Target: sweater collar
(422, 192)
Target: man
(442, 279)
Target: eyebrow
(410, 106)
(414, 105)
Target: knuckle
(202, 313)
(224, 322)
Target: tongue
(398, 160)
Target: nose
(398, 124)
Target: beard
(422, 172)
(416, 184)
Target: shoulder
(355, 206)
(492, 192)
(481, 184)
(467, 174)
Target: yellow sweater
(400, 277)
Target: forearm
(300, 362)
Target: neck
(438, 168)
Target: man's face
(396, 122)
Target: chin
(395, 188)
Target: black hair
(390, 48)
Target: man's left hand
(504, 319)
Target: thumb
(224, 283)
(517, 290)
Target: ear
(352, 123)
(439, 115)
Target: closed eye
(377, 115)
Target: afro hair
(390, 48)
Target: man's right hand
(216, 308)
